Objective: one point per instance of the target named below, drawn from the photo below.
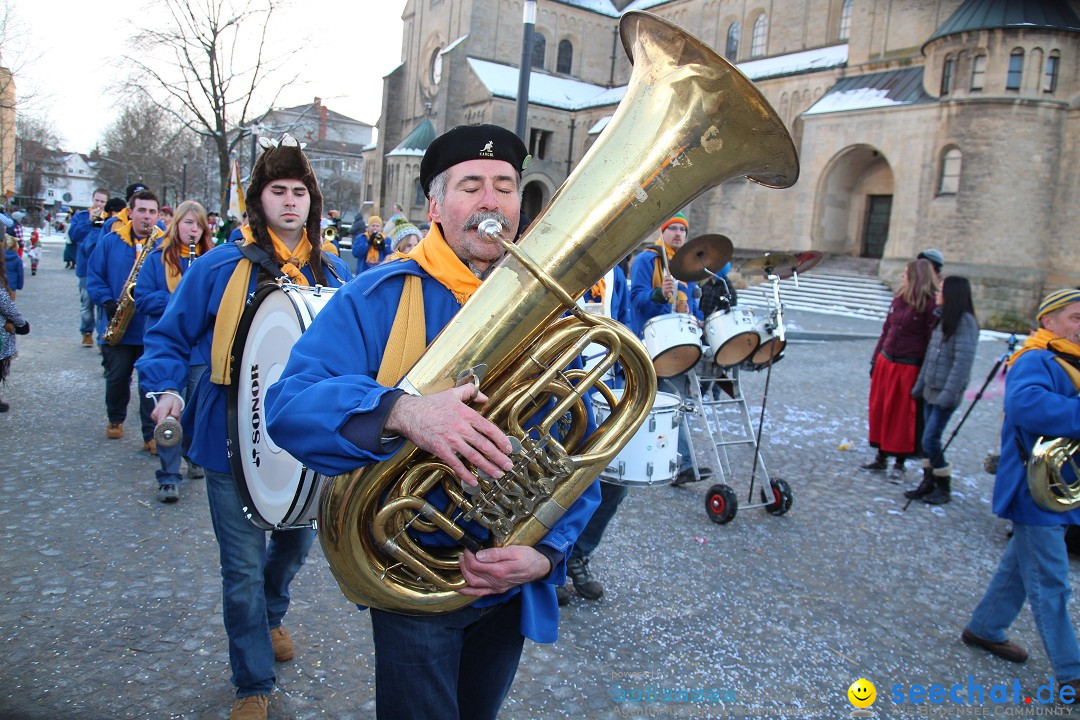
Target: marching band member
(187, 237)
(654, 292)
(371, 248)
(82, 223)
(106, 282)
(197, 328)
(459, 663)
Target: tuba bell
(689, 121)
(1045, 474)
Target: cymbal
(807, 260)
(781, 264)
(705, 252)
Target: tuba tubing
(1046, 477)
(689, 121)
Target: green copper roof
(417, 141)
(992, 14)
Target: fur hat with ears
(284, 159)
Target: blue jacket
(152, 289)
(360, 250)
(107, 272)
(86, 249)
(185, 333)
(329, 383)
(1040, 399)
(641, 292)
(79, 227)
(14, 266)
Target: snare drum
(770, 347)
(276, 490)
(673, 342)
(652, 455)
(732, 335)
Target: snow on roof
(819, 59)
(600, 124)
(606, 7)
(857, 99)
(558, 92)
(454, 44)
(873, 90)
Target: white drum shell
(673, 341)
(652, 455)
(769, 346)
(732, 335)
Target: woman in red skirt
(895, 417)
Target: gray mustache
(474, 220)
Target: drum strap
(408, 335)
(260, 257)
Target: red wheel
(721, 504)
(781, 497)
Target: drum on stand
(276, 490)
(673, 342)
(771, 347)
(732, 336)
(652, 455)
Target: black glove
(23, 330)
(110, 309)
(871, 368)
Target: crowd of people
(173, 322)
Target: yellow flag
(236, 193)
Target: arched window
(757, 40)
(418, 193)
(950, 173)
(1050, 74)
(731, 51)
(539, 50)
(1016, 69)
(565, 58)
(978, 72)
(845, 20)
(946, 75)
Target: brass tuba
(688, 122)
(1046, 481)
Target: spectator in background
(371, 248)
(165, 216)
(14, 263)
(406, 237)
(13, 324)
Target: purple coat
(906, 333)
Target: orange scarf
(373, 250)
(682, 305)
(291, 260)
(1043, 339)
(439, 261)
(598, 290)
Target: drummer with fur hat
(459, 663)
(196, 333)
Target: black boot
(942, 492)
(923, 487)
(578, 570)
(881, 462)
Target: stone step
(827, 289)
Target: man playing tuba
(459, 663)
(1040, 400)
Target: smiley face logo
(862, 693)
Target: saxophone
(125, 307)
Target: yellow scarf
(1046, 340)
(598, 290)
(682, 305)
(126, 232)
(235, 296)
(439, 261)
(331, 248)
(172, 275)
(373, 250)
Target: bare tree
(207, 67)
(148, 146)
(37, 156)
(19, 52)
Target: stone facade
(1009, 221)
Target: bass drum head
(276, 490)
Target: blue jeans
(255, 577)
(86, 309)
(610, 497)
(936, 418)
(169, 472)
(457, 665)
(1035, 567)
(680, 385)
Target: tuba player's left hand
(496, 570)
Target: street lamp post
(529, 21)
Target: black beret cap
(472, 142)
(132, 189)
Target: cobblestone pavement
(111, 601)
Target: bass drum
(276, 490)
(652, 455)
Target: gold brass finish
(688, 122)
(125, 306)
(1046, 480)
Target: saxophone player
(107, 279)
(1040, 400)
(459, 663)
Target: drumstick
(168, 432)
(667, 271)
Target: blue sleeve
(152, 290)
(80, 226)
(693, 302)
(97, 272)
(19, 277)
(359, 249)
(620, 299)
(1037, 403)
(236, 234)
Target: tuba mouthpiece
(490, 229)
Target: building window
(418, 193)
(757, 40)
(1051, 75)
(845, 20)
(978, 72)
(731, 52)
(946, 75)
(565, 58)
(539, 49)
(950, 173)
(1016, 70)
(538, 143)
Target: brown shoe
(114, 431)
(283, 644)
(252, 707)
(150, 446)
(1005, 650)
(87, 340)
